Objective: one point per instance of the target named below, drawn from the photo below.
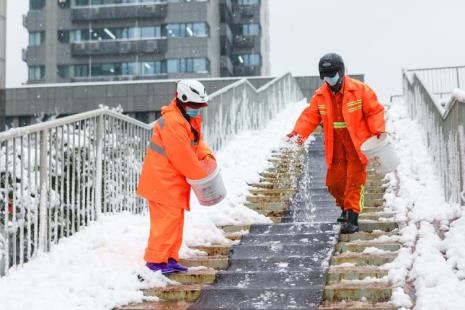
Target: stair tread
(157, 305)
(357, 305)
(176, 288)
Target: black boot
(343, 217)
(351, 226)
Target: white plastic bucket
(381, 153)
(210, 190)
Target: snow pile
(459, 95)
(98, 267)
(433, 257)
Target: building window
(187, 30)
(70, 71)
(36, 38)
(36, 73)
(250, 29)
(71, 36)
(247, 2)
(248, 60)
(188, 65)
(114, 2)
(152, 68)
(36, 4)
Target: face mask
(193, 113)
(332, 80)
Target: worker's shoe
(163, 267)
(351, 226)
(173, 264)
(343, 217)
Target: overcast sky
(375, 37)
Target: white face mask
(332, 80)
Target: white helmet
(192, 92)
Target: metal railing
(57, 177)
(425, 90)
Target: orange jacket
(172, 156)
(363, 115)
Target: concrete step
(304, 238)
(372, 291)
(158, 305)
(206, 276)
(275, 206)
(281, 297)
(262, 198)
(370, 209)
(376, 215)
(215, 262)
(357, 305)
(188, 293)
(337, 274)
(214, 250)
(364, 236)
(374, 202)
(295, 228)
(243, 251)
(343, 247)
(236, 236)
(234, 228)
(369, 226)
(271, 192)
(363, 259)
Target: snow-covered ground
(431, 265)
(98, 267)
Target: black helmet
(330, 64)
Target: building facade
(2, 43)
(114, 40)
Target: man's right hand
(293, 137)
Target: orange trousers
(166, 229)
(346, 177)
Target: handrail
(445, 134)
(58, 176)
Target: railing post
(462, 160)
(43, 218)
(458, 77)
(99, 166)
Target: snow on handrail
(424, 90)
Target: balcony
(242, 70)
(247, 41)
(115, 78)
(119, 47)
(115, 12)
(247, 13)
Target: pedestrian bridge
(61, 176)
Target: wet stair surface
(300, 262)
(282, 265)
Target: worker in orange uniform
(351, 114)
(176, 151)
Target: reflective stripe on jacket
(172, 156)
(363, 116)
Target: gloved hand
(378, 135)
(208, 164)
(295, 138)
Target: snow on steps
(356, 278)
(268, 198)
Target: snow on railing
(57, 177)
(440, 109)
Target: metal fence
(425, 91)
(57, 177)
(441, 81)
